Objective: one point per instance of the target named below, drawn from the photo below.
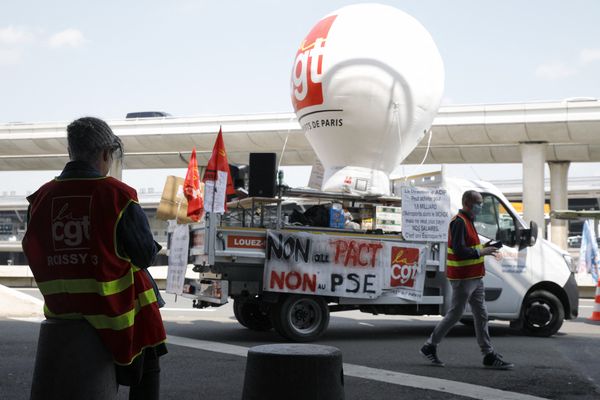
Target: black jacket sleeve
(134, 237)
(135, 240)
(458, 232)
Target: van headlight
(570, 263)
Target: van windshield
(495, 221)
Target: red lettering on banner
(309, 282)
(350, 253)
(293, 281)
(277, 279)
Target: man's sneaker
(494, 361)
(429, 351)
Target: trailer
(289, 277)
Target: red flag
(191, 189)
(214, 178)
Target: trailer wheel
(249, 314)
(542, 314)
(300, 318)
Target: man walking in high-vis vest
(88, 244)
(465, 270)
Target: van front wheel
(542, 314)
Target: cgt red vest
(72, 251)
(465, 269)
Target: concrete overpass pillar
(559, 200)
(533, 156)
(116, 169)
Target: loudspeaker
(239, 176)
(263, 174)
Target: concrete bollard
(72, 363)
(294, 372)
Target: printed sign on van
(407, 272)
(425, 213)
(326, 265)
(178, 259)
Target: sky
(64, 59)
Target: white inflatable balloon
(366, 85)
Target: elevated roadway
(529, 133)
(460, 134)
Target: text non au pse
(307, 282)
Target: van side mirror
(533, 233)
(528, 237)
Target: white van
(288, 277)
(532, 284)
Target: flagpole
(216, 176)
(214, 193)
(178, 208)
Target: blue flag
(588, 253)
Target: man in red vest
(465, 270)
(88, 244)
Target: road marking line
(380, 375)
(208, 345)
(427, 383)
(365, 324)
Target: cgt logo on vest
(405, 262)
(71, 222)
(307, 72)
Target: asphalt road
(566, 366)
